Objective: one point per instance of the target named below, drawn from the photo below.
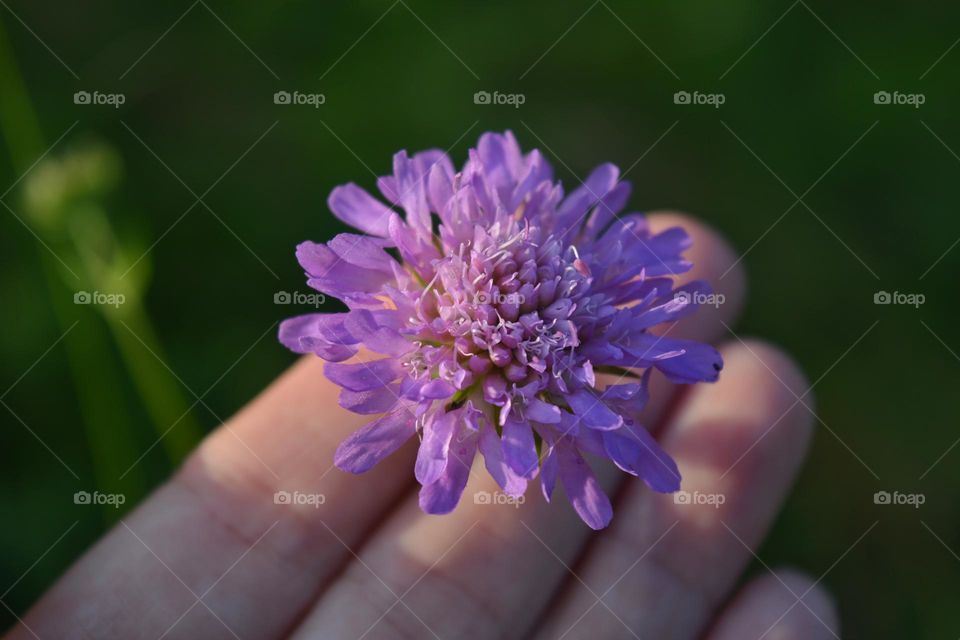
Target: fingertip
(783, 378)
(786, 604)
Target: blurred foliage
(199, 123)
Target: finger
(484, 570)
(785, 606)
(668, 560)
(216, 532)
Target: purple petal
(410, 187)
(621, 391)
(519, 448)
(376, 330)
(538, 170)
(629, 399)
(660, 254)
(364, 376)
(432, 455)
(655, 465)
(635, 451)
(499, 470)
(628, 242)
(437, 390)
(574, 207)
(443, 495)
(359, 209)
(611, 204)
(372, 443)
(681, 361)
(332, 273)
(583, 489)
(540, 411)
(321, 333)
(593, 412)
(681, 303)
(369, 402)
(415, 246)
(439, 188)
(699, 363)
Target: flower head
(494, 300)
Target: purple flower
(494, 300)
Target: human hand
(214, 554)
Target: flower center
(507, 300)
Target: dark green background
(799, 99)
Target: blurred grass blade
(102, 412)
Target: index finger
(244, 522)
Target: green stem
(113, 448)
(164, 401)
(102, 409)
(19, 123)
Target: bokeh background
(189, 197)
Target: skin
(211, 555)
